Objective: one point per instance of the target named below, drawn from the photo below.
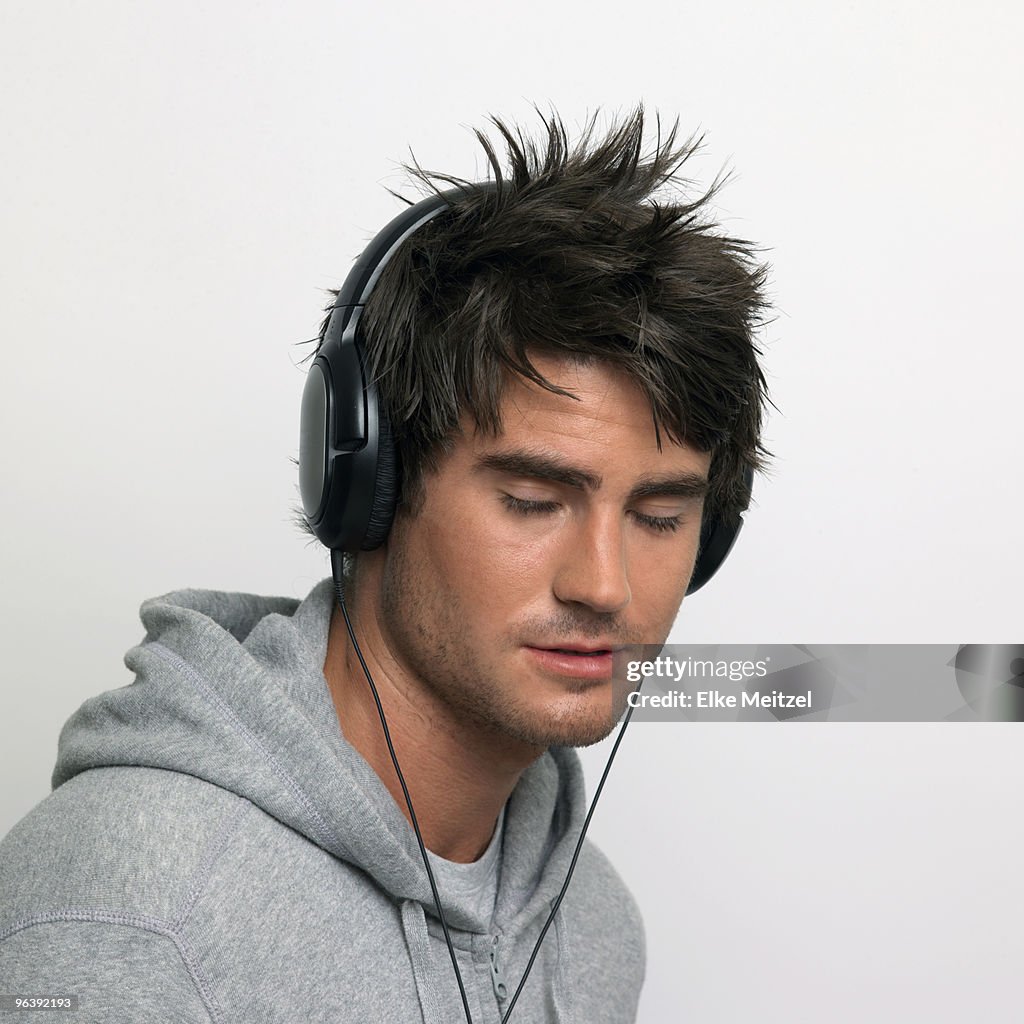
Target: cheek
(658, 583)
(482, 561)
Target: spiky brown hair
(591, 251)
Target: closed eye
(660, 523)
(526, 507)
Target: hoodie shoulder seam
(320, 826)
(216, 847)
(141, 921)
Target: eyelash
(660, 524)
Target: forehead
(608, 421)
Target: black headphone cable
(337, 568)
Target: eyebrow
(547, 467)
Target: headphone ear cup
(385, 488)
(717, 539)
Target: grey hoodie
(215, 850)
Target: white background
(180, 185)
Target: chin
(575, 727)
(583, 738)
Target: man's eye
(526, 507)
(659, 523)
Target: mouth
(582, 650)
(573, 652)
(579, 661)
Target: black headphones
(348, 472)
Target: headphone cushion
(385, 489)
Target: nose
(593, 570)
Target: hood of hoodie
(230, 688)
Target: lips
(582, 652)
(581, 649)
(589, 661)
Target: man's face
(538, 552)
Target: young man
(568, 372)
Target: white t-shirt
(474, 884)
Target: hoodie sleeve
(120, 972)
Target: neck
(459, 774)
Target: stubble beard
(424, 622)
